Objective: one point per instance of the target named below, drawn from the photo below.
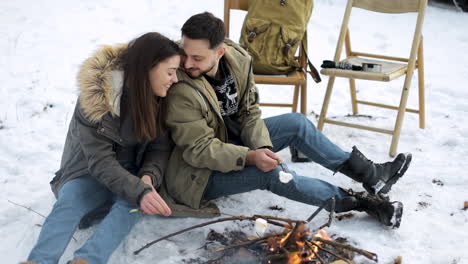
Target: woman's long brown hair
(148, 110)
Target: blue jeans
(286, 130)
(76, 198)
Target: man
(223, 147)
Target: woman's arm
(102, 162)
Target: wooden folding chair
(392, 67)
(296, 78)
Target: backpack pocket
(254, 36)
(289, 39)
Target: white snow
(42, 44)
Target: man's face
(199, 58)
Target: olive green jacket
(95, 146)
(200, 135)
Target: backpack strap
(312, 70)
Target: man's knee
(299, 121)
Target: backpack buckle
(252, 35)
(286, 49)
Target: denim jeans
(288, 130)
(76, 198)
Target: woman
(116, 148)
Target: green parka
(95, 146)
(200, 135)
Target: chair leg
(304, 98)
(422, 106)
(401, 114)
(295, 97)
(352, 86)
(326, 101)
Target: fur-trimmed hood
(100, 82)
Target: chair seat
(293, 78)
(390, 70)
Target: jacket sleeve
(254, 133)
(102, 162)
(156, 159)
(192, 133)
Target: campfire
(295, 243)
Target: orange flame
(323, 234)
(283, 240)
(294, 259)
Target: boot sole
(388, 185)
(397, 214)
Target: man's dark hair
(205, 26)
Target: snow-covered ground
(43, 42)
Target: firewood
(365, 253)
(340, 262)
(329, 252)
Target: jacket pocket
(55, 182)
(57, 177)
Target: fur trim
(100, 81)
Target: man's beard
(201, 72)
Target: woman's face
(163, 75)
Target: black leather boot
(95, 216)
(297, 156)
(379, 207)
(376, 178)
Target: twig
(234, 218)
(330, 252)
(332, 211)
(365, 253)
(28, 208)
(316, 255)
(319, 209)
(34, 211)
(239, 218)
(242, 244)
(289, 221)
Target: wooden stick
(330, 216)
(245, 243)
(234, 218)
(330, 252)
(315, 254)
(365, 253)
(319, 209)
(240, 218)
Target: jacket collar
(238, 61)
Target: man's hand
(264, 159)
(152, 203)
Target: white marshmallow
(285, 177)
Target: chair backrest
(389, 6)
(233, 4)
(386, 6)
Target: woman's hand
(152, 203)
